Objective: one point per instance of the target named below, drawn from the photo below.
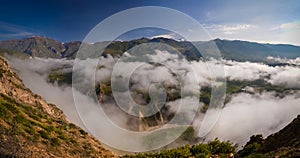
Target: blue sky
(268, 21)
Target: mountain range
(43, 47)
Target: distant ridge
(44, 47)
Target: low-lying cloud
(244, 115)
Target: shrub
(44, 134)
(83, 132)
(55, 141)
(200, 149)
(218, 147)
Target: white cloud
(170, 36)
(242, 117)
(287, 77)
(256, 31)
(295, 61)
(13, 31)
(247, 114)
(288, 32)
(290, 26)
(229, 28)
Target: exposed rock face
(29, 127)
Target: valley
(260, 87)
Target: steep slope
(71, 49)
(288, 137)
(29, 127)
(285, 143)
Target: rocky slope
(29, 127)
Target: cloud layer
(244, 115)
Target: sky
(268, 21)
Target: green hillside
(29, 127)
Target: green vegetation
(60, 77)
(235, 86)
(259, 85)
(1, 72)
(14, 53)
(29, 121)
(25, 127)
(216, 147)
(105, 88)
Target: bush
(83, 132)
(200, 149)
(55, 141)
(44, 134)
(218, 147)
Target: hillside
(285, 143)
(32, 128)
(234, 50)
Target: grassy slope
(29, 127)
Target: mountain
(42, 47)
(251, 51)
(71, 49)
(234, 50)
(35, 46)
(30, 127)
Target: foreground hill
(235, 50)
(288, 137)
(285, 143)
(29, 127)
